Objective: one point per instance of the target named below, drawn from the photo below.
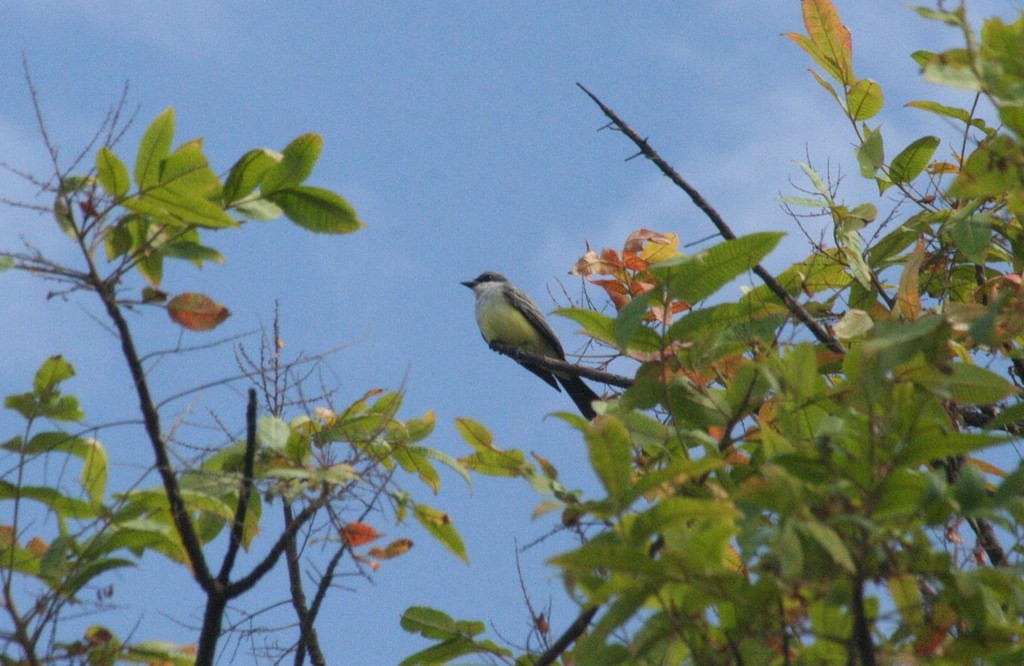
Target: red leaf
(197, 312)
(358, 534)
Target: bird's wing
(522, 302)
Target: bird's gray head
(485, 277)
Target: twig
(797, 310)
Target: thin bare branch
(797, 310)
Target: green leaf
(611, 456)
(316, 209)
(953, 68)
(192, 251)
(112, 173)
(853, 324)
(45, 400)
(631, 320)
(828, 539)
(187, 172)
(864, 100)
(827, 86)
(996, 166)
(257, 208)
(51, 373)
(428, 622)
(975, 385)
(81, 574)
(272, 433)
(962, 115)
(595, 324)
(931, 447)
(848, 238)
(790, 552)
(153, 149)
(92, 454)
(62, 505)
(296, 164)
(412, 459)
(970, 491)
(909, 164)
(509, 464)
(439, 525)
(871, 153)
(819, 184)
(694, 278)
(159, 652)
(441, 653)
(951, 18)
(178, 206)
(973, 237)
(445, 459)
(6, 262)
(476, 434)
(246, 174)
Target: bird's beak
(469, 283)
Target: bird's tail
(581, 394)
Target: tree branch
(560, 367)
(570, 635)
(245, 490)
(797, 310)
(151, 421)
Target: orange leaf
(358, 534)
(196, 312)
(393, 549)
(988, 468)
(549, 469)
(37, 547)
(831, 37)
(908, 296)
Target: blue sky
(456, 131)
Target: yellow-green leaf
(439, 525)
(112, 173)
(909, 164)
(154, 147)
(864, 100)
(316, 209)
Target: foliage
(332, 473)
(770, 496)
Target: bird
(508, 315)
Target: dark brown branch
(309, 641)
(797, 310)
(560, 367)
(988, 540)
(982, 528)
(244, 491)
(862, 642)
(245, 584)
(151, 421)
(570, 635)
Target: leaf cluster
(769, 496)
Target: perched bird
(507, 314)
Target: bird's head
(484, 278)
